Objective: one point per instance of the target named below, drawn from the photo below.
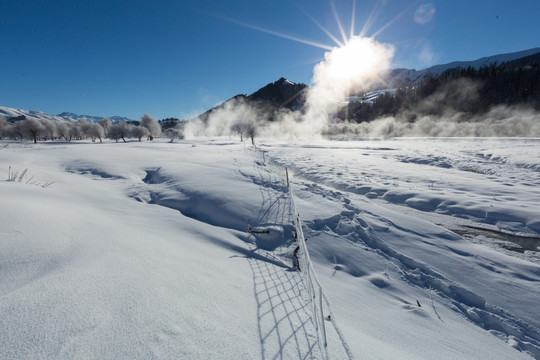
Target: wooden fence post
(322, 318)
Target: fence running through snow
(319, 300)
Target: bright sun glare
(354, 62)
(359, 59)
(351, 65)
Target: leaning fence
(319, 300)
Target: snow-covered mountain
(11, 113)
(285, 93)
(398, 76)
(69, 116)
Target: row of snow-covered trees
(44, 129)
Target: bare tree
(119, 130)
(18, 130)
(64, 130)
(125, 130)
(3, 126)
(114, 132)
(11, 131)
(236, 128)
(95, 131)
(139, 132)
(75, 131)
(245, 128)
(32, 128)
(105, 124)
(174, 133)
(154, 129)
(51, 129)
(84, 126)
(251, 131)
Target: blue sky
(179, 58)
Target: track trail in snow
(159, 245)
(364, 227)
(284, 315)
(284, 323)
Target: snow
(140, 250)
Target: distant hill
(401, 77)
(282, 93)
(11, 114)
(507, 79)
(74, 117)
(287, 94)
(467, 91)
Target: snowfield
(426, 248)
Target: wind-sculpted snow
(433, 262)
(371, 227)
(491, 182)
(140, 250)
(90, 272)
(84, 168)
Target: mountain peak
(283, 93)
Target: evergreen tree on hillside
(462, 90)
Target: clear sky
(177, 58)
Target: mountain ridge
(400, 75)
(72, 116)
(12, 114)
(395, 79)
(288, 94)
(282, 93)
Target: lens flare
(424, 14)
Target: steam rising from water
(500, 121)
(355, 67)
(451, 121)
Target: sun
(352, 65)
(352, 62)
(359, 60)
